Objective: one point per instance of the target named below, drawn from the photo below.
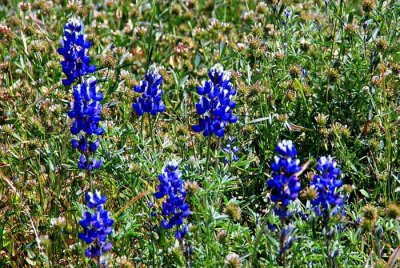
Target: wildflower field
(202, 133)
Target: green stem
(208, 153)
(282, 255)
(151, 133)
(141, 128)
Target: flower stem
(151, 133)
(282, 251)
(328, 238)
(208, 153)
(141, 128)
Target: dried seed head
(324, 132)
(321, 119)
(24, 6)
(37, 46)
(395, 67)
(279, 55)
(393, 211)
(305, 45)
(370, 212)
(221, 236)
(309, 193)
(127, 77)
(376, 80)
(232, 260)
(262, 8)
(176, 9)
(283, 117)
(181, 49)
(374, 144)
(380, 44)
(8, 129)
(191, 4)
(367, 224)
(140, 31)
(257, 30)
(333, 74)
(348, 188)
(4, 66)
(294, 71)
(253, 42)
(5, 32)
(339, 129)
(108, 60)
(291, 95)
(233, 211)
(74, 5)
(215, 24)
(248, 16)
(350, 28)
(368, 6)
(192, 187)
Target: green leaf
(364, 193)
(254, 121)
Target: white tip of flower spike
(286, 145)
(74, 21)
(173, 163)
(218, 68)
(153, 69)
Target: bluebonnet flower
(231, 150)
(326, 183)
(284, 184)
(97, 225)
(174, 207)
(151, 99)
(74, 49)
(215, 103)
(86, 114)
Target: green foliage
(347, 105)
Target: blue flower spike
(326, 183)
(284, 184)
(97, 226)
(150, 88)
(74, 49)
(174, 207)
(216, 103)
(86, 114)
